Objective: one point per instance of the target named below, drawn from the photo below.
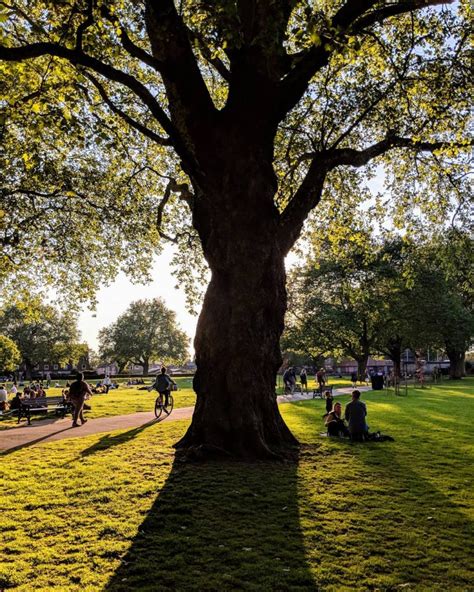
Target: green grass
(121, 401)
(116, 513)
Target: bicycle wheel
(158, 407)
(169, 408)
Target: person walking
(78, 391)
(289, 380)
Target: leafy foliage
(99, 140)
(360, 295)
(10, 355)
(40, 332)
(146, 332)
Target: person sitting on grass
(355, 414)
(329, 400)
(335, 424)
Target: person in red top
(77, 395)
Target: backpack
(162, 383)
(75, 388)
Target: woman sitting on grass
(335, 424)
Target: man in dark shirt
(355, 415)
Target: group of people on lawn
(355, 415)
(32, 391)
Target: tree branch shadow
(108, 441)
(32, 442)
(220, 526)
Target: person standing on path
(77, 395)
(321, 379)
(304, 379)
(106, 383)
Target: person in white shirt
(107, 383)
(13, 390)
(3, 394)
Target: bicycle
(160, 405)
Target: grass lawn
(130, 399)
(116, 513)
(121, 401)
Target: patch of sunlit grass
(115, 512)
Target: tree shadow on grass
(108, 441)
(217, 527)
(403, 511)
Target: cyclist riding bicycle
(163, 384)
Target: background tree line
(357, 296)
(34, 332)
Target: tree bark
(146, 367)
(237, 341)
(456, 363)
(394, 352)
(361, 366)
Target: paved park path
(49, 430)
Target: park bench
(43, 405)
(318, 391)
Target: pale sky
(112, 301)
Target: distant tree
(146, 332)
(111, 348)
(40, 332)
(453, 254)
(10, 355)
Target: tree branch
(349, 19)
(79, 58)
(303, 201)
(130, 47)
(131, 122)
(395, 9)
(190, 103)
(206, 52)
(358, 158)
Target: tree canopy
(146, 332)
(100, 120)
(10, 355)
(41, 333)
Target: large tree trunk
(237, 341)
(456, 363)
(237, 357)
(146, 367)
